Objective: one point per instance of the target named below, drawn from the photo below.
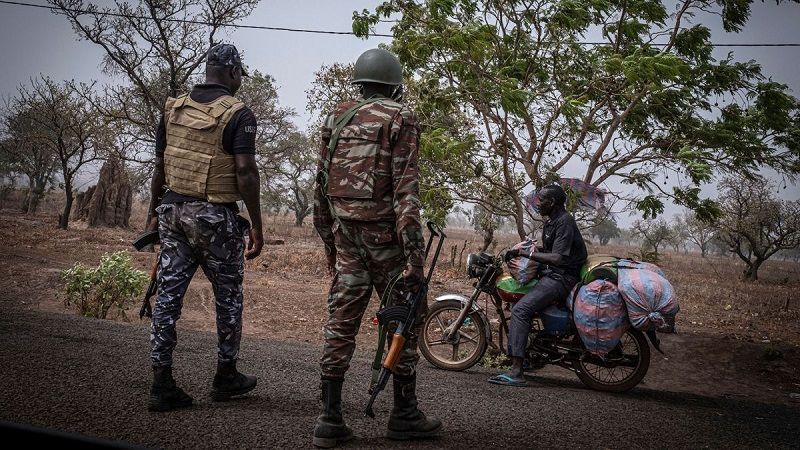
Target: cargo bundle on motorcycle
(602, 336)
(615, 293)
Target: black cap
(225, 55)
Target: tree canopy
(510, 95)
(755, 225)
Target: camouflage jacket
(373, 174)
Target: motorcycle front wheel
(622, 369)
(458, 352)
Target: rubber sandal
(507, 380)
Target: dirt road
(91, 377)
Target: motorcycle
(457, 333)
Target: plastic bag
(599, 315)
(521, 268)
(649, 296)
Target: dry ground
(725, 326)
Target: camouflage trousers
(372, 259)
(210, 236)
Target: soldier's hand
(331, 263)
(254, 244)
(413, 277)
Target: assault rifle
(405, 316)
(144, 240)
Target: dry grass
(288, 284)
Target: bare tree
(260, 94)
(330, 87)
(678, 234)
(63, 122)
(158, 46)
(696, 230)
(756, 225)
(486, 223)
(20, 154)
(289, 183)
(605, 229)
(654, 233)
(626, 236)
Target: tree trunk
(36, 189)
(751, 272)
(488, 237)
(26, 203)
(63, 221)
(519, 219)
(298, 218)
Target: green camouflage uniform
(373, 186)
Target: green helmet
(378, 66)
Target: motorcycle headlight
(471, 258)
(475, 265)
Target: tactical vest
(195, 162)
(359, 166)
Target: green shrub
(95, 290)
(495, 360)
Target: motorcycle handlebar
(435, 230)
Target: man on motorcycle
(563, 253)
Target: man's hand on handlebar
(511, 254)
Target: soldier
(366, 210)
(205, 163)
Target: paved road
(91, 377)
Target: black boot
(229, 382)
(164, 394)
(406, 421)
(330, 429)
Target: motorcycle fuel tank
(510, 290)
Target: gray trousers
(551, 288)
(209, 236)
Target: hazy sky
(34, 41)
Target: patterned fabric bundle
(599, 314)
(639, 265)
(521, 268)
(650, 298)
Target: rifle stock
(395, 347)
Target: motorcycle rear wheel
(454, 354)
(618, 379)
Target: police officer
(563, 253)
(205, 163)
(366, 211)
